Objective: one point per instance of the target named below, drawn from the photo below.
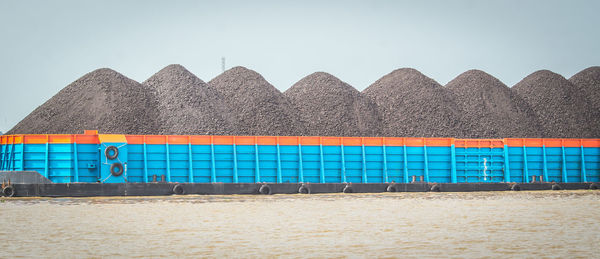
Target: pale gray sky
(45, 45)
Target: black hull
(160, 189)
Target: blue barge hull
(97, 161)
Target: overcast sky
(45, 45)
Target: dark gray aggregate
(187, 105)
(588, 83)
(403, 103)
(559, 106)
(330, 107)
(414, 105)
(258, 107)
(102, 99)
(490, 109)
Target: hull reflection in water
(513, 224)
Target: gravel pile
(490, 109)
(414, 105)
(588, 83)
(102, 99)
(187, 105)
(259, 108)
(560, 107)
(403, 103)
(330, 107)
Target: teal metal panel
(268, 163)
(416, 162)
(3, 149)
(525, 166)
(535, 163)
(300, 164)
(76, 161)
(168, 160)
(11, 156)
(515, 159)
(480, 164)
(87, 163)
(235, 164)
(1, 157)
(343, 158)
(179, 170)
(425, 163)
(332, 164)
(385, 169)
(405, 160)
(190, 163)
(363, 165)
(545, 161)
(322, 164)
(47, 162)
(22, 154)
(506, 165)
(60, 163)
(440, 164)
(554, 163)
(289, 163)
(279, 175)
(353, 163)
(105, 163)
(146, 162)
(246, 163)
(583, 167)
(394, 163)
(453, 164)
(373, 165)
(310, 163)
(564, 165)
(574, 162)
(213, 169)
(592, 163)
(136, 163)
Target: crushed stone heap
(403, 103)
(414, 105)
(258, 107)
(102, 99)
(490, 109)
(559, 106)
(588, 83)
(330, 107)
(187, 105)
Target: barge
(92, 164)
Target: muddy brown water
(480, 224)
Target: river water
(478, 224)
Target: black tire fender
(435, 188)
(556, 187)
(391, 188)
(116, 169)
(304, 189)
(515, 187)
(114, 154)
(593, 186)
(178, 189)
(264, 189)
(348, 189)
(8, 191)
